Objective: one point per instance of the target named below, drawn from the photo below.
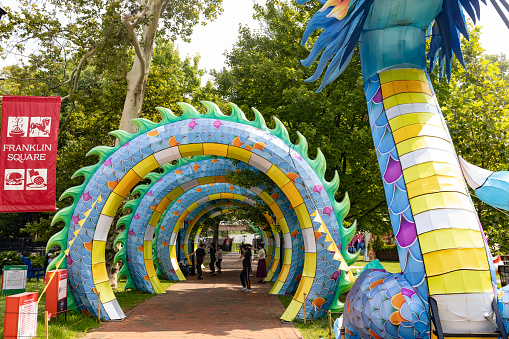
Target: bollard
(99, 306)
(46, 329)
(330, 324)
(304, 308)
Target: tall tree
(266, 73)
(66, 34)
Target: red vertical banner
(28, 153)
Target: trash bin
(503, 270)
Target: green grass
(319, 328)
(77, 324)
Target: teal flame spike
(124, 272)
(237, 114)
(73, 192)
(120, 255)
(347, 235)
(121, 238)
(102, 151)
(53, 264)
(302, 146)
(259, 121)
(342, 207)
(332, 186)
(122, 136)
(58, 239)
(319, 164)
(188, 111)
(280, 131)
(126, 219)
(343, 286)
(168, 116)
(63, 214)
(213, 110)
(86, 172)
(144, 125)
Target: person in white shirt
(261, 271)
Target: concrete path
(210, 308)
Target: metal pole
(304, 308)
(46, 330)
(330, 324)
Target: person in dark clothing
(212, 264)
(219, 257)
(246, 266)
(200, 254)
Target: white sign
(27, 320)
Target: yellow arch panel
(149, 265)
(278, 176)
(304, 287)
(215, 196)
(99, 273)
(417, 143)
(128, 181)
(402, 74)
(164, 203)
(405, 86)
(111, 206)
(303, 216)
(292, 194)
(276, 210)
(226, 195)
(174, 194)
(239, 154)
(215, 149)
(146, 166)
(445, 261)
(147, 250)
(310, 269)
(463, 281)
(417, 130)
(435, 184)
(415, 118)
(266, 198)
(433, 201)
(190, 150)
(104, 289)
(98, 248)
(408, 98)
(206, 180)
(158, 288)
(450, 238)
(154, 219)
(428, 169)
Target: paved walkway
(209, 308)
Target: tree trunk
(138, 75)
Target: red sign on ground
(56, 292)
(28, 153)
(21, 315)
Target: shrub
(10, 258)
(378, 244)
(37, 260)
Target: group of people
(214, 261)
(216, 257)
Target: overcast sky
(212, 40)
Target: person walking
(212, 264)
(261, 271)
(200, 254)
(219, 258)
(246, 265)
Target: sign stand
(56, 293)
(21, 315)
(14, 279)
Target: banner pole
(99, 307)
(304, 308)
(330, 324)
